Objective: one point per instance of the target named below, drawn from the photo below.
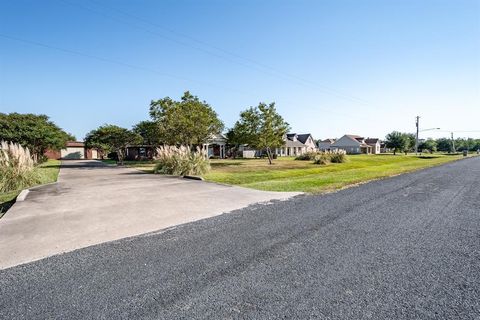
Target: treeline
(405, 142)
(35, 132)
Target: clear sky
(332, 67)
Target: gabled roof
(291, 143)
(290, 136)
(303, 137)
(328, 141)
(372, 140)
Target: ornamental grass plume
(181, 161)
(16, 167)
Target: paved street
(401, 248)
(94, 203)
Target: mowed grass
(287, 174)
(47, 172)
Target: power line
(117, 62)
(272, 71)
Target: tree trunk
(269, 155)
(120, 157)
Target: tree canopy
(35, 132)
(112, 138)
(150, 132)
(397, 141)
(429, 145)
(262, 128)
(185, 122)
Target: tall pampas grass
(181, 161)
(16, 167)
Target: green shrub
(180, 161)
(16, 167)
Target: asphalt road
(401, 248)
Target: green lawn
(47, 172)
(287, 174)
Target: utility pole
(416, 136)
(453, 143)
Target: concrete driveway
(93, 203)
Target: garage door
(73, 153)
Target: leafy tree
(150, 132)
(261, 128)
(410, 142)
(36, 132)
(112, 138)
(234, 139)
(444, 144)
(185, 122)
(429, 145)
(396, 141)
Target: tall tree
(429, 145)
(36, 132)
(185, 122)
(445, 145)
(150, 132)
(396, 141)
(410, 142)
(112, 138)
(261, 128)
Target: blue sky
(332, 67)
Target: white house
(296, 144)
(352, 144)
(375, 143)
(216, 146)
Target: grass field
(47, 172)
(287, 174)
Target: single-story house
(375, 143)
(296, 144)
(74, 150)
(140, 152)
(352, 144)
(325, 145)
(216, 146)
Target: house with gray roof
(352, 144)
(296, 144)
(325, 145)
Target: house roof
(372, 140)
(75, 144)
(291, 143)
(354, 136)
(303, 137)
(328, 140)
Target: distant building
(216, 146)
(375, 143)
(325, 145)
(296, 144)
(74, 150)
(353, 144)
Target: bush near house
(181, 161)
(324, 157)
